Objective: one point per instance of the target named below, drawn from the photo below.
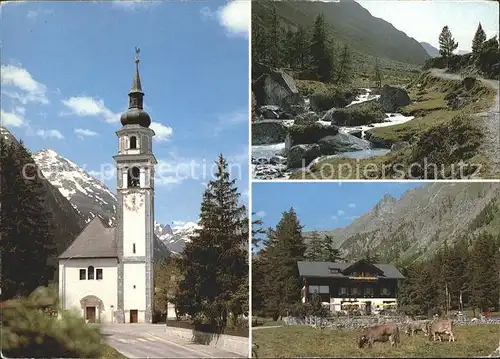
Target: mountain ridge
(419, 222)
(90, 197)
(349, 23)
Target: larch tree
(447, 44)
(478, 40)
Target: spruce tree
(301, 47)
(27, 240)
(479, 39)
(260, 41)
(285, 248)
(447, 44)
(214, 264)
(344, 66)
(314, 250)
(330, 253)
(377, 74)
(275, 39)
(321, 50)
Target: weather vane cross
(137, 51)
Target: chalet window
(83, 274)
(133, 142)
(98, 273)
(334, 270)
(133, 248)
(343, 291)
(90, 274)
(369, 291)
(313, 289)
(355, 291)
(324, 289)
(385, 291)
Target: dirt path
(490, 121)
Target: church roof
(95, 241)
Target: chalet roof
(323, 269)
(95, 241)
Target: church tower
(135, 166)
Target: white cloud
(33, 14)
(89, 106)
(239, 157)
(162, 132)
(228, 120)
(179, 223)
(260, 214)
(49, 134)
(235, 17)
(20, 110)
(131, 5)
(11, 119)
(84, 132)
(340, 213)
(352, 205)
(22, 85)
(335, 218)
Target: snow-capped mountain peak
(90, 197)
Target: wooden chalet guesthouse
(361, 286)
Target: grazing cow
(441, 326)
(380, 333)
(417, 325)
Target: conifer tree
(377, 74)
(330, 253)
(447, 44)
(314, 250)
(321, 50)
(260, 41)
(214, 264)
(275, 39)
(301, 47)
(344, 66)
(27, 240)
(285, 248)
(479, 39)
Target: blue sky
(321, 205)
(67, 68)
(424, 20)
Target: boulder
(311, 133)
(301, 155)
(356, 133)
(274, 87)
(458, 102)
(341, 142)
(306, 118)
(393, 98)
(356, 115)
(399, 145)
(268, 131)
(278, 160)
(469, 82)
(325, 99)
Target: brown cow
(441, 326)
(417, 325)
(380, 333)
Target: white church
(106, 274)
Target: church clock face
(134, 201)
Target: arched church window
(90, 272)
(133, 142)
(133, 177)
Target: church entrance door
(90, 314)
(133, 316)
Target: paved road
(490, 120)
(151, 341)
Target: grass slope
(304, 341)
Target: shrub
(329, 97)
(29, 332)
